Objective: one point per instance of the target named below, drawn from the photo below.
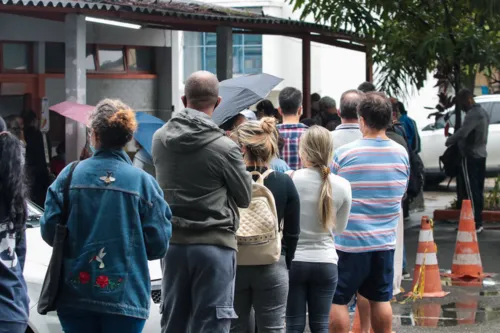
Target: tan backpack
(259, 235)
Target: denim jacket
(118, 220)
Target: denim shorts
(369, 273)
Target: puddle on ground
(451, 314)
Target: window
(15, 57)
(90, 58)
(111, 60)
(140, 59)
(55, 60)
(200, 53)
(495, 113)
(103, 58)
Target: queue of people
(331, 221)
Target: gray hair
(349, 103)
(326, 103)
(202, 90)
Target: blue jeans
(312, 284)
(198, 289)
(12, 327)
(81, 321)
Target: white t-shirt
(315, 244)
(344, 134)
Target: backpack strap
(261, 177)
(267, 173)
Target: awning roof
(185, 15)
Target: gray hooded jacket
(203, 176)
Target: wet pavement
(472, 306)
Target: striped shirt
(291, 133)
(378, 172)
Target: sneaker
(406, 275)
(479, 229)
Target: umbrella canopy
(242, 92)
(147, 124)
(75, 111)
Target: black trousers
(470, 185)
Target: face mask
(92, 148)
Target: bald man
(204, 178)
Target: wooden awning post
(306, 75)
(369, 64)
(224, 53)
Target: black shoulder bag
(53, 278)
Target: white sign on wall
(44, 116)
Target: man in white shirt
(348, 131)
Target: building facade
(333, 69)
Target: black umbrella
(242, 92)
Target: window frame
(125, 53)
(98, 69)
(30, 56)
(135, 71)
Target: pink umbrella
(75, 111)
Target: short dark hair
(315, 97)
(290, 100)
(29, 116)
(464, 94)
(326, 103)
(376, 110)
(349, 103)
(228, 125)
(367, 87)
(202, 89)
(402, 108)
(267, 107)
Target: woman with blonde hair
(117, 220)
(325, 203)
(265, 287)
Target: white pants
(398, 257)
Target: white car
(433, 140)
(37, 259)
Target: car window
(34, 214)
(451, 118)
(494, 113)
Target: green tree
(409, 38)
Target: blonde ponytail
(316, 147)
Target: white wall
(21, 28)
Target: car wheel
(433, 180)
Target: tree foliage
(455, 38)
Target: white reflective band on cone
(430, 259)
(425, 236)
(466, 259)
(466, 236)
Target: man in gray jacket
(471, 139)
(204, 178)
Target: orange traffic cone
(467, 260)
(466, 309)
(426, 279)
(426, 314)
